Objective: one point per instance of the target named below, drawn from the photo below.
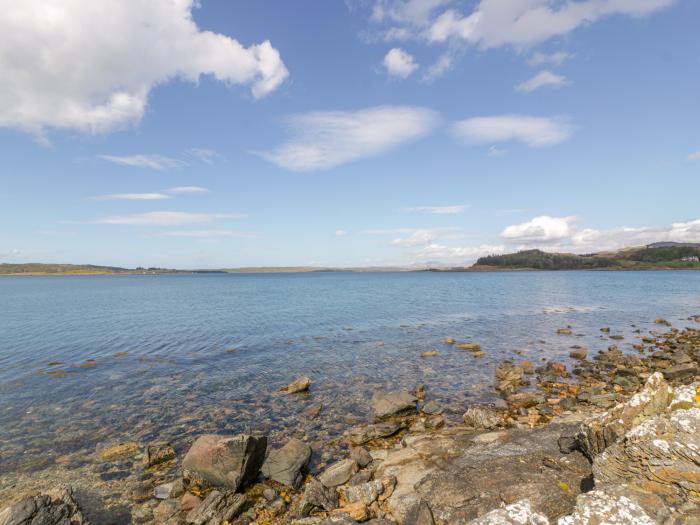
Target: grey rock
(420, 514)
(56, 507)
(223, 461)
(339, 473)
(217, 508)
(316, 496)
(366, 493)
(393, 404)
(174, 489)
(678, 372)
(483, 417)
(366, 433)
(597, 507)
(431, 408)
(519, 513)
(361, 456)
(269, 494)
(285, 465)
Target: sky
(209, 134)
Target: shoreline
(541, 406)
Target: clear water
(163, 366)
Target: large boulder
(519, 513)
(55, 507)
(285, 465)
(393, 404)
(224, 461)
(600, 508)
(598, 433)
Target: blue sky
(365, 132)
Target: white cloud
(188, 189)
(327, 139)
(204, 155)
(543, 229)
(10, 254)
(555, 59)
(412, 12)
(534, 131)
(443, 64)
(563, 234)
(417, 238)
(399, 64)
(154, 162)
(694, 156)
(441, 252)
(495, 151)
(437, 210)
(131, 197)
(90, 66)
(341, 233)
(542, 79)
(524, 23)
(164, 218)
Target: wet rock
(174, 489)
(366, 433)
(434, 422)
(299, 385)
(158, 452)
(119, 451)
(451, 340)
(527, 367)
(224, 461)
(564, 331)
(313, 411)
(339, 473)
(596, 434)
(316, 496)
(483, 417)
(663, 322)
(578, 353)
(285, 465)
(429, 353)
(361, 456)
(509, 376)
(393, 404)
(166, 511)
(56, 507)
(217, 508)
(363, 476)
(519, 513)
(189, 501)
(469, 346)
(431, 408)
(524, 400)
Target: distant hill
(73, 269)
(657, 255)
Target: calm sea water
(85, 360)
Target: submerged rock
(158, 452)
(224, 461)
(299, 385)
(285, 465)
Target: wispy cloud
(323, 140)
(536, 132)
(207, 156)
(154, 162)
(555, 59)
(441, 252)
(694, 156)
(412, 237)
(188, 189)
(131, 197)
(207, 234)
(542, 79)
(165, 218)
(341, 233)
(437, 210)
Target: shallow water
(90, 360)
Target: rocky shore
(614, 439)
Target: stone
(469, 346)
(285, 465)
(361, 456)
(339, 473)
(269, 494)
(366, 493)
(119, 451)
(523, 400)
(431, 408)
(420, 514)
(483, 417)
(224, 461)
(366, 433)
(313, 411)
(578, 353)
(509, 376)
(564, 331)
(316, 496)
(519, 513)
(299, 385)
(157, 452)
(56, 507)
(678, 372)
(596, 434)
(527, 367)
(451, 340)
(429, 353)
(166, 511)
(217, 508)
(358, 511)
(393, 404)
(174, 489)
(189, 501)
(277, 506)
(598, 508)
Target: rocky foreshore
(613, 440)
